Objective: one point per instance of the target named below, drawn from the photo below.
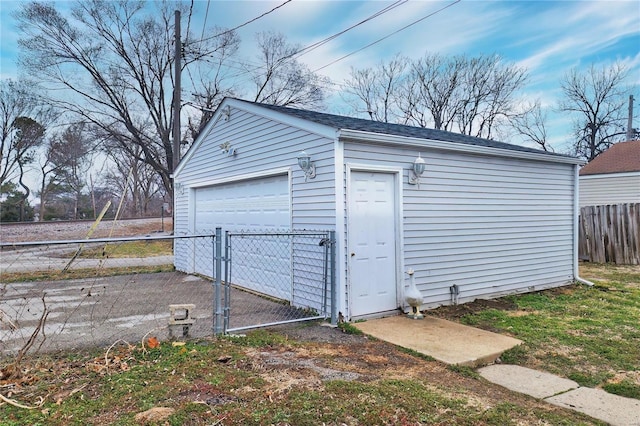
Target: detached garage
(473, 218)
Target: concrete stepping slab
(613, 409)
(525, 380)
(446, 341)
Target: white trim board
(385, 139)
(246, 176)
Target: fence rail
(610, 234)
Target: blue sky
(546, 37)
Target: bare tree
(116, 59)
(490, 87)
(215, 80)
(133, 180)
(280, 79)
(596, 99)
(433, 92)
(377, 89)
(28, 136)
(48, 178)
(473, 95)
(531, 123)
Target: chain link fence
(66, 295)
(90, 293)
(277, 277)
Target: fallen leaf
(155, 414)
(224, 358)
(178, 344)
(153, 343)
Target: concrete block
(181, 314)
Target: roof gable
(622, 157)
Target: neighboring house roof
(622, 157)
(343, 123)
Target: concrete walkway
(454, 343)
(613, 409)
(446, 341)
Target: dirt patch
(458, 311)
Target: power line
(317, 44)
(206, 16)
(313, 46)
(244, 24)
(189, 19)
(388, 35)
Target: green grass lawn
(56, 275)
(129, 249)
(265, 379)
(588, 334)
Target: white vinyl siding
(183, 259)
(264, 145)
(263, 149)
(615, 188)
(490, 225)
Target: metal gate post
(217, 317)
(227, 279)
(332, 258)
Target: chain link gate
(272, 278)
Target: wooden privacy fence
(610, 234)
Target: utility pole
(630, 119)
(177, 95)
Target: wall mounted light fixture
(227, 149)
(179, 188)
(417, 169)
(307, 166)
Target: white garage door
(263, 204)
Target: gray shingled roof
(349, 123)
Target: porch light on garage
(307, 166)
(417, 169)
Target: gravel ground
(50, 231)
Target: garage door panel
(258, 205)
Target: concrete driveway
(96, 312)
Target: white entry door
(372, 242)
